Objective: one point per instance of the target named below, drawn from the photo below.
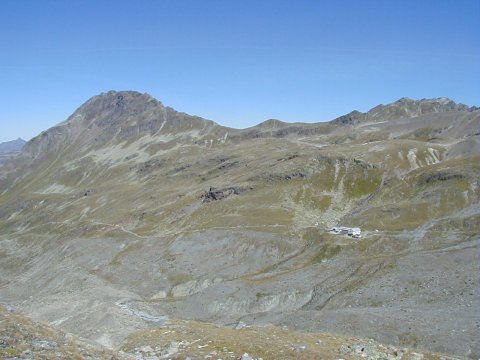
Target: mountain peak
(404, 100)
(115, 117)
(115, 104)
(272, 124)
(119, 95)
(409, 108)
(444, 102)
(12, 146)
(351, 118)
(403, 108)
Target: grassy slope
(292, 188)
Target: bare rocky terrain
(131, 217)
(10, 148)
(22, 338)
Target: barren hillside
(130, 213)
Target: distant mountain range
(11, 146)
(130, 212)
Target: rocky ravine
(130, 214)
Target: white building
(353, 232)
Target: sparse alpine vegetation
(129, 220)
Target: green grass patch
(357, 186)
(327, 251)
(260, 295)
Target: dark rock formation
(219, 194)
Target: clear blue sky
(236, 62)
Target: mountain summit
(118, 116)
(130, 213)
(404, 108)
(11, 146)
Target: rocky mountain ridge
(117, 117)
(130, 213)
(404, 108)
(11, 146)
(129, 115)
